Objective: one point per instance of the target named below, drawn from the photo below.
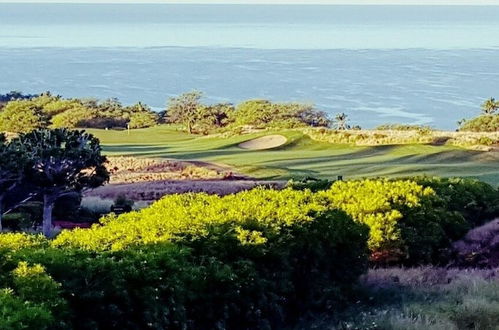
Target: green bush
(398, 213)
(405, 226)
(255, 259)
(16, 241)
(475, 200)
(311, 184)
(17, 221)
(16, 313)
(32, 300)
(483, 123)
(234, 274)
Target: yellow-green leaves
(376, 203)
(16, 241)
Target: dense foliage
(263, 113)
(487, 121)
(52, 164)
(32, 299)
(188, 110)
(26, 113)
(408, 222)
(230, 274)
(482, 123)
(256, 259)
(475, 200)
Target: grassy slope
(302, 156)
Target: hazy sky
(397, 2)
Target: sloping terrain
(302, 156)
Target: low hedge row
(411, 221)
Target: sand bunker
(265, 142)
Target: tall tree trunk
(189, 127)
(48, 206)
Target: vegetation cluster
(49, 164)
(487, 121)
(386, 136)
(133, 169)
(254, 259)
(25, 113)
(21, 113)
(188, 110)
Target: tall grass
(427, 298)
(475, 140)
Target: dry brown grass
(134, 170)
(480, 246)
(485, 141)
(151, 191)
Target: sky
(332, 2)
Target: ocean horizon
(379, 64)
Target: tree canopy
(24, 113)
(12, 164)
(188, 110)
(62, 161)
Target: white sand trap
(265, 142)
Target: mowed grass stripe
(302, 156)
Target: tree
(21, 116)
(141, 116)
(213, 116)
(184, 109)
(311, 117)
(490, 106)
(12, 163)
(256, 113)
(142, 120)
(14, 95)
(263, 113)
(341, 121)
(73, 117)
(61, 162)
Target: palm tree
(341, 121)
(490, 106)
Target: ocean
(430, 65)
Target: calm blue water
(427, 65)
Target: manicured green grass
(302, 156)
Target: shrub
(17, 314)
(143, 119)
(236, 274)
(263, 114)
(73, 117)
(404, 127)
(483, 123)
(477, 201)
(177, 216)
(16, 241)
(138, 288)
(408, 222)
(255, 259)
(405, 219)
(17, 221)
(21, 116)
(33, 300)
(311, 184)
